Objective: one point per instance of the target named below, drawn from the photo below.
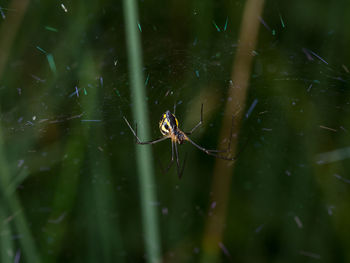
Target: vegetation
(74, 186)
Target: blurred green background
(70, 190)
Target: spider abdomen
(168, 123)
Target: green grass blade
(143, 153)
(14, 206)
(6, 243)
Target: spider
(169, 127)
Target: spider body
(169, 127)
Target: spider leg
(229, 142)
(183, 165)
(172, 159)
(154, 141)
(138, 141)
(179, 169)
(228, 147)
(198, 124)
(210, 152)
(174, 108)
